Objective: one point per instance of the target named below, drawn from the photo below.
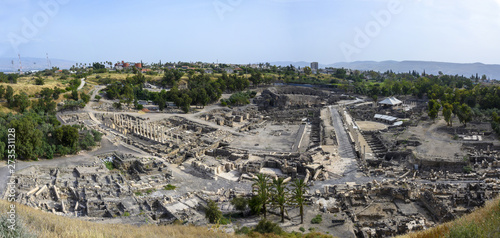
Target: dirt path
(82, 84)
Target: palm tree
(261, 183)
(299, 188)
(280, 196)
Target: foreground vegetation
(35, 223)
(41, 224)
(484, 222)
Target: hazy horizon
(252, 31)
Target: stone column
(163, 135)
(148, 131)
(143, 129)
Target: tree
(261, 183)
(9, 95)
(87, 141)
(46, 93)
(97, 136)
(2, 91)
(204, 98)
(433, 107)
(186, 102)
(256, 78)
(299, 188)
(212, 212)
(464, 114)
(67, 136)
(128, 94)
(161, 103)
(56, 93)
(117, 105)
(307, 70)
(85, 97)
(340, 73)
(74, 95)
(171, 77)
(279, 194)
(28, 137)
(447, 111)
(22, 101)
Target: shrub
(109, 165)
(302, 229)
(170, 187)
(265, 227)
(126, 214)
(39, 81)
(239, 203)
(467, 169)
(243, 231)
(212, 212)
(225, 221)
(19, 231)
(317, 220)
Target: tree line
(201, 89)
(38, 132)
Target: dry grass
(484, 222)
(52, 226)
(27, 85)
(5, 109)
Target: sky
(252, 31)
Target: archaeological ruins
(373, 170)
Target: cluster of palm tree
(277, 194)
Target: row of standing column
(141, 128)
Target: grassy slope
(52, 226)
(27, 84)
(484, 222)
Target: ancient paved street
(345, 147)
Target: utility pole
(48, 61)
(20, 65)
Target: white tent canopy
(391, 101)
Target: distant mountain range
(30, 63)
(490, 70)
